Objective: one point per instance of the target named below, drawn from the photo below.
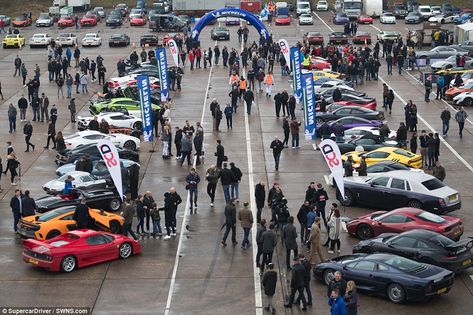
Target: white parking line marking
(327, 180)
(446, 103)
(468, 166)
(376, 28)
(432, 129)
(251, 183)
(186, 214)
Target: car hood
(54, 185)
(441, 63)
(43, 20)
(49, 201)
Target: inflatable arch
(230, 12)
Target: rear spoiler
(467, 242)
(32, 243)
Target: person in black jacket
(22, 105)
(176, 200)
(81, 215)
(308, 268)
(220, 154)
(226, 178)
(249, 97)
(16, 205)
(270, 279)
(284, 103)
(230, 222)
(94, 124)
(177, 142)
(51, 135)
(277, 103)
(337, 95)
(321, 198)
(310, 193)
(277, 146)
(260, 196)
(297, 284)
(236, 178)
(302, 218)
(286, 128)
(29, 206)
(292, 107)
(28, 131)
(401, 135)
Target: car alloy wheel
(115, 204)
(125, 250)
(138, 125)
(328, 276)
(364, 231)
(130, 145)
(68, 263)
(468, 101)
(396, 293)
(348, 201)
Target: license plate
(33, 261)
(443, 290)
(466, 262)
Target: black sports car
(106, 199)
(398, 278)
(150, 39)
(114, 19)
(220, 33)
(424, 246)
(338, 38)
(368, 142)
(119, 40)
(70, 156)
(349, 111)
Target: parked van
(303, 7)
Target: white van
(303, 7)
(426, 11)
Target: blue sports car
(341, 19)
(398, 278)
(465, 17)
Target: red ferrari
(283, 20)
(362, 38)
(88, 20)
(319, 64)
(137, 20)
(314, 38)
(404, 219)
(21, 21)
(369, 103)
(77, 249)
(66, 21)
(365, 19)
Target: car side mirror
(345, 267)
(372, 184)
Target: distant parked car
(119, 40)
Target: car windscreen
(433, 184)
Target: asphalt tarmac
(192, 273)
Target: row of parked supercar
(70, 39)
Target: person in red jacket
(192, 58)
(198, 56)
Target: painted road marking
(376, 28)
(468, 166)
(251, 183)
(186, 214)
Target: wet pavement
(192, 273)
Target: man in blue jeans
(193, 180)
(16, 205)
(246, 218)
(235, 185)
(226, 178)
(308, 267)
(445, 116)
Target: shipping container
(200, 7)
(251, 6)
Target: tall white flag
(110, 156)
(333, 157)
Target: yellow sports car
(60, 220)
(386, 154)
(13, 40)
(326, 74)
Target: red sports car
(137, 19)
(77, 249)
(338, 38)
(362, 38)
(283, 20)
(319, 64)
(404, 219)
(88, 20)
(365, 102)
(365, 19)
(66, 21)
(314, 38)
(21, 21)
